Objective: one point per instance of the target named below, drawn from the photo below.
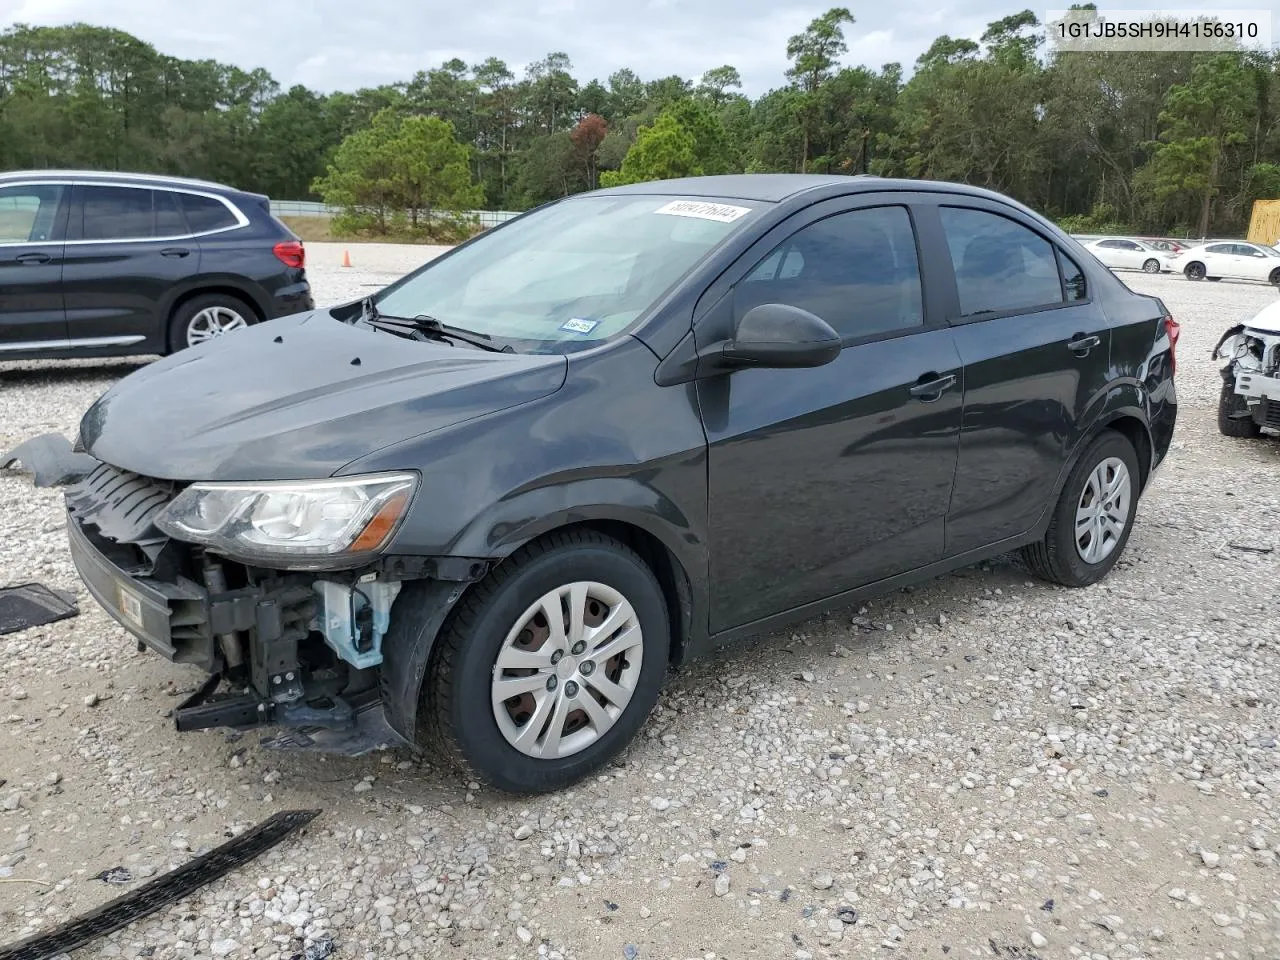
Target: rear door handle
(33, 258)
(175, 252)
(1081, 345)
(929, 390)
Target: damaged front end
(1251, 375)
(295, 648)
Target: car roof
(148, 179)
(778, 187)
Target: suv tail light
(1174, 330)
(290, 253)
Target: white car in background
(1228, 258)
(1126, 254)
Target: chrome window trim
(241, 220)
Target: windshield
(1269, 251)
(571, 275)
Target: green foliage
(1159, 142)
(410, 166)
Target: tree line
(1170, 143)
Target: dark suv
(110, 264)
(486, 508)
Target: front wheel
(1274, 279)
(1151, 266)
(1093, 517)
(1234, 419)
(1194, 271)
(548, 667)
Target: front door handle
(33, 258)
(931, 386)
(175, 252)
(1081, 345)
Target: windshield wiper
(429, 326)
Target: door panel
(32, 219)
(824, 479)
(1031, 372)
(120, 268)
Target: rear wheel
(1093, 517)
(1233, 415)
(549, 666)
(1194, 271)
(207, 317)
(1151, 266)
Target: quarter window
(205, 213)
(1073, 281)
(1000, 265)
(858, 271)
(28, 213)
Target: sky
(345, 44)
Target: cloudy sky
(344, 44)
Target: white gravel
(1014, 770)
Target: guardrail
(309, 208)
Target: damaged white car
(1250, 399)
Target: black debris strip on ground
(162, 891)
(32, 605)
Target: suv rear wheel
(548, 667)
(207, 317)
(1091, 523)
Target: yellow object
(1264, 225)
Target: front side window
(572, 274)
(1000, 265)
(28, 213)
(858, 271)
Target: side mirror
(779, 335)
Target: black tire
(1233, 415)
(1151, 266)
(457, 717)
(186, 314)
(1274, 279)
(1194, 270)
(1056, 558)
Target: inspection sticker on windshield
(578, 325)
(721, 212)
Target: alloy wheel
(567, 670)
(1151, 266)
(1103, 510)
(213, 322)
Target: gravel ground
(982, 766)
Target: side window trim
(73, 211)
(954, 316)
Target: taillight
(1173, 330)
(290, 253)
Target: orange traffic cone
(346, 258)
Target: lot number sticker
(720, 212)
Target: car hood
(1267, 320)
(299, 398)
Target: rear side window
(1000, 265)
(116, 213)
(28, 213)
(858, 271)
(169, 219)
(206, 213)
(1073, 281)
(1229, 248)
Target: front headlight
(292, 523)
